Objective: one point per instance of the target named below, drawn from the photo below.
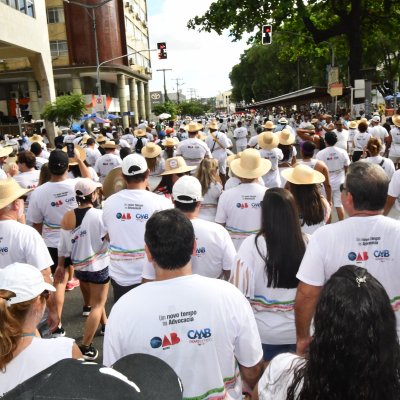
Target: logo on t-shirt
(200, 250)
(124, 216)
(77, 236)
(242, 205)
(142, 217)
(358, 257)
(168, 341)
(199, 337)
(3, 250)
(57, 203)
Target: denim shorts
(99, 277)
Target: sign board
(333, 75)
(100, 102)
(359, 88)
(128, 113)
(336, 89)
(156, 98)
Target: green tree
(65, 109)
(315, 20)
(167, 107)
(193, 108)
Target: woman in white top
(360, 140)
(374, 147)
(211, 188)
(354, 353)
(265, 271)
(23, 354)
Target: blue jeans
(272, 350)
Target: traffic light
(267, 34)
(162, 51)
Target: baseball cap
(58, 160)
(376, 118)
(24, 280)
(187, 189)
(134, 164)
(86, 186)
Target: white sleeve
(229, 252)
(34, 213)
(35, 250)
(394, 185)
(65, 244)
(279, 154)
(221, 216)
(112, 351)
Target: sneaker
(72, 284)
(88, 352)
(102, 330)
(86, 311)
(59, 332)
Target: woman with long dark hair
(265, 271)
(355, 350)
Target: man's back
(199, 326)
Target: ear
(194, 247)
(148, 254)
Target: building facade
(83, 35)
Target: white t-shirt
(235, 181)
(105, 164)
(335, 159)
(39, 355)
(208, 208)
(273, 307)
(40, 161)
(92, 155)
(187, 319)
(125, 215)
(394, 188)
(215, 252)
(253, 142)
(368, 242)
(342, 138)
(272, 178)
(395, 146)
(278, 377)
(379, 132)
(385, 163)
(361, 140)
(84, 244)
(217, 151)
(28, 180)
(48, 204)
(241, 136)
(240, 210)
(3, 175)
(193, 150)
(129, 137)
(22, 243)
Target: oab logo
(57, 203)
(242, 205)
(361, 256)
(124, 216)
(166, 342)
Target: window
(55, 15)
(58, 47)
(30, 10)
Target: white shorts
(336, 198)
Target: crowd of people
(218, 240)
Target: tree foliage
(166, 107)
(193, 108)
(65, 109)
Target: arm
(82, 167)
(53, 319)
(38, 227)
(251, 375)
(327, 184)
(306, 300)
(389, 204)
(305, 134)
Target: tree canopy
(65, 109)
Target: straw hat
(269, 125)
(366, 121)
(109, 144)
(193, 127)
(176, 165)
(170, 142)
(232, 157)
(267, 140)
(36, 138)
(283, 121)
(101, 138)
(140, 132)
(303, 175)
(250, 165)
(396, 120)
(151, 150)
(114, 182)
(85, 138)
(10, 191)
(353, 124)
(82, 155)
(5, 151)
(285, 137)
(213, 125)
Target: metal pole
(351, 101)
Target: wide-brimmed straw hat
(232, 157)
(36, 138)
(151, 150)
(113, 182)
(303, 175)
(193, 127)
(85, 138)
(170, 142)
(5, 151)
(250, 165)
(267, 140)
(101, 138)
(10, 191)
(176, 165)
(82, 155)
(109, 144)
(269, 125)
(353, 124)
(285, 137)
(283, 121)
(213, 125)
(396, 120)
(140, 132)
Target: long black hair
(309, 203)
(355, 352)
(280, 227)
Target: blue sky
(202, 60)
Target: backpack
(139, 145)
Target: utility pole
(192, 93)
(177, 87)
(165, 85)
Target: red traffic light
(267, 34)
(161, 46)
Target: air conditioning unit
(14, 94)
(127, 4)
(131, 61)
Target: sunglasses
(342, 188)
(45, 294)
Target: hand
(13, 170)
(302, 345)
(59, 275)
(77, 154)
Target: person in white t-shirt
(378, 131)
(240, 135)
(342, 135)
(37, 150)
(366, 239)
(239, 208)
(4, 153)
(350, 141)
(185, 317)
(23, 294)
(374, 149)
(108, 161)
(92, 153)
(125, 215)
(353, 314)
(393, 195)
(394, 141)
(337, 160)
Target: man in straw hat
(239, 208)
(267, 127)
(193, 150)
(125, 215)
(203, 327)
(20, 243)
(108, 161)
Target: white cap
(187, 186)
(134, 164)
(376, 118)
(24, 280)
(86, 186)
